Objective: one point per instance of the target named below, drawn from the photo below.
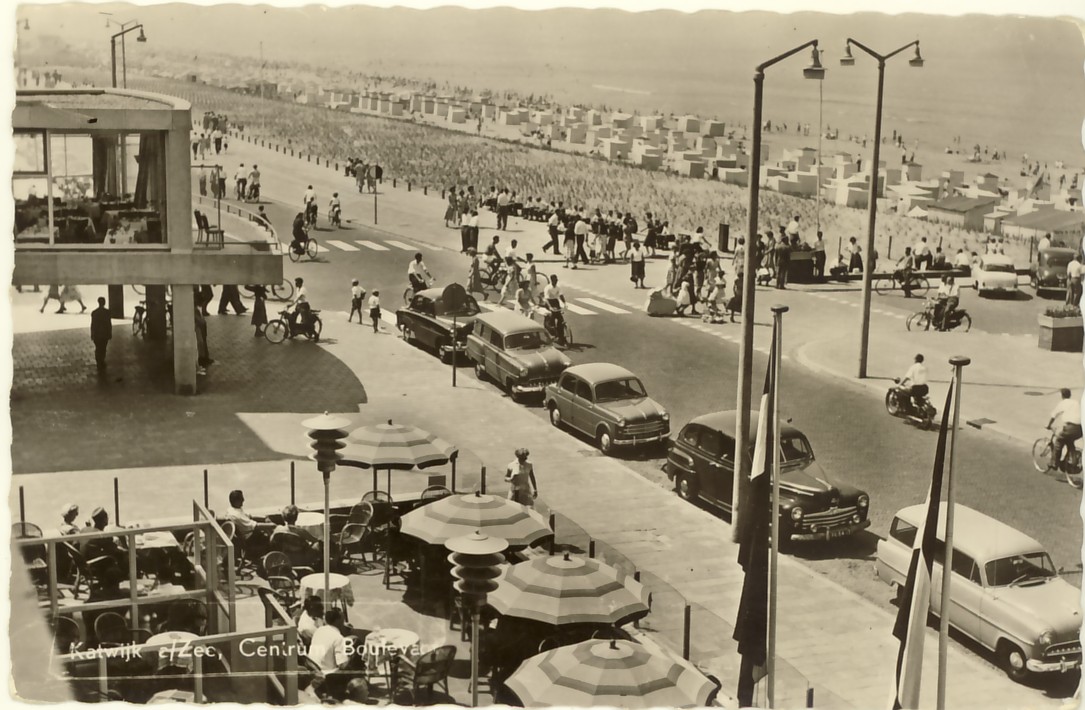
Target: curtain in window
(106, 174)
(149, 187)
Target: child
(523, 299)
(375, 310)
(357, 294)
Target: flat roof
(1047, 219)
(103, 99)
(963, 204)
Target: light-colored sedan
(1005, 592)
(994, 273)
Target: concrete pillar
(156, 313)
(115, 293)
(184, 339)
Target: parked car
(701, 462)
(994, 273)
(1048, 272)
(429, 319)
(607, 403)
(1005, 593)
(515, 352)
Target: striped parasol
(569, 590)
(395, 446)
(453, 516)
(617, 673)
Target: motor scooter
(898, 402)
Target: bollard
(687, 616)
(425, 189)
(337, 167)
(408, 186)
(482, 484)
(442, 193)
(453, 488)
(393, 182)
(809, 697)
(1031, 245)
(292, 483)
(308, 158)
(940, 243)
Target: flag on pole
(915, 597)
(751, 626)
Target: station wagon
(431, 316)
(607, 403)
(1005, 592)
(515, 352)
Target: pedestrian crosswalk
(371, 245)
(342, 245)
(331, 245)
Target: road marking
(371, 245)
(580, 311)
(341, 245)
(322, 250)
(401, 245)
(602, 306)
(388, 317)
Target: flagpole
(958, 363)
(770, 655)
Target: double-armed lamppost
(749, 281)
(124, 57)
(872, 196)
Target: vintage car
(430, 317)
(1048, 273)
(515, 352)
(994, 273)
(701, 462)
(607, 403)
(1005, 592)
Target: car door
(967, 596)
(565, 397)
(421, 309)
(494, 355)
(583, 408)
(713, 448)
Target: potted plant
(1061, 329)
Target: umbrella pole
(327, 535)
(474, 655)
(374, 478)
(389, 482)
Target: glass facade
(104, 188)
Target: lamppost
(327, 434)
(749, 280)
(476, 560)
(872, 194)
(124, 57)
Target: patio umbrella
(395, 446)
(617, 673)
(569, 590)
(453, 516)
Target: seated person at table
(340, 659)
(187, 615)
(247, 528)
(68, 513)
(310, 619)
(290, 520)
(102, 546)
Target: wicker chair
(428, 670)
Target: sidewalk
(840, 641)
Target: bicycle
(1042, 449)
(310, 216)
(139, 318)
(922, 320)
(278, 330)
(563, 336)
(918, 285)
(283, 291)
(310, 249)
(408, 295)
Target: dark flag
(916, 596)
(751, 626)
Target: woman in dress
(69, 294)
(54, 294)
(259, 308)
(450, 211)
(520, 475)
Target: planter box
(1060, 334)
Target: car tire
(686, 487)
(604, 440)
(555, 414)
(408, 334)
(508, 389)
(480, 372)
(1012, 661)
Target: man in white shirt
(915, 379)
(552, 227)
(503, 209)
(332, 652)
(792, 229)
(555, 303)
(254, 183)
(472, 224)
(580, 230)
(246, 528)
(1045, 243)
(241, 178)
(922, 254)
(1073, 281)
(1068, 414)
(417, 273)
(949, 296)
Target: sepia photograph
(714, 354)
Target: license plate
(838, 532)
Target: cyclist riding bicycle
(555, 303)
(300, 238)
(1068, 413)
(301, 309)
(949, 297)
(334, 208)
(903, 271)
(309, 201)
(417, 273)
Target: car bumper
(527, 387)
(1060, 666)
(999, 287)
(831, 533)
(461, 348)
(635, 439)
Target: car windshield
(999, 268)
(628, 388)
(1020, 569)
(795, 448)
(1056, 260)
(527, 340)
(469, 307)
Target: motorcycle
(335, 216)
(898, 402)
(924, 319)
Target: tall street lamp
(124, 59)
(749, 281)
(872, 195)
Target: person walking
(101, 330)
(203, 182)
(53, 294)
(375, 310)
(1073, 281)
(259, 308)
(636, 264)
(520, 475)
(783, 262)
(216, 138)
(241, 179)
(203, 355)
(552, 226)
(357, 293)
(819, 257)
(230, 296)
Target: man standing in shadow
(101, 330)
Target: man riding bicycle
(916, 377)
(555, 303)
(1068, 413)
(301, 308)
(309, 201)
(417, 273)
(300, 237)
(904, 271)
(334, 208)
(949, 296)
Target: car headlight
(1045, 638)
(666, 417)
(864, 501)
(796, 513)
(523, 370)
(621, 421)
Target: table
(157, 539)
(339, 588)
(176, 652)
(172, 696)
(312, 523)
(384, 646)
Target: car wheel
(1012, 660)
(480, 372)
(604, 440)
(555, 415)
(408, 334)
(509, 389)
(686, 487)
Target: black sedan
(432, 314)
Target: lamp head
(142, 37)
(847, 60)
(815, 70)
(917, 60)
